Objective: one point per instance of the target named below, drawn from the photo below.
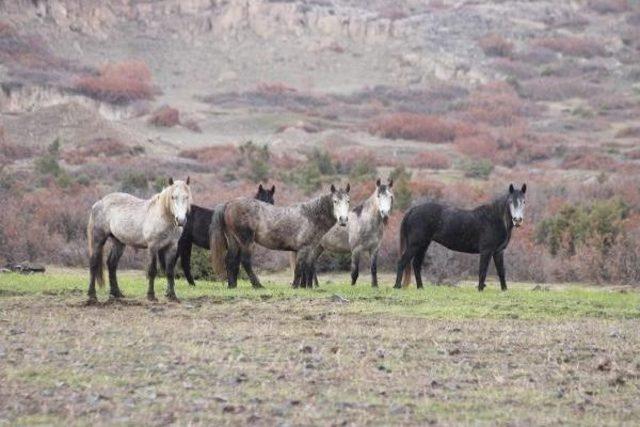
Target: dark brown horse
(485, 230)
(296, 228)
(196, 230)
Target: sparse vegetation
(165, 116)
(119, 82)
(413, 126)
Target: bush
(629, 132)
(572, 46)
(557, 89)
(401, 190)
(118, 83)
(478, 147)
(165, 116)
(431, 160)
(609, 6)
(200, 265)
(481, 168)
(413, 126)
(496, 45)
(47, 164)
(134, 183)
(575, 225)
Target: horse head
(340, 199)
(265, 194)
(179, 200)
(516, 203)
(384, 198)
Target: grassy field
(338, 355)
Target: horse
(154, 224)
(485, 230)
(363, 232)
(196, 230)
(298, 228)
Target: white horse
(363, 232)
(154, 224)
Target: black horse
(196, 230)
(485, 230)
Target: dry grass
(278, 356)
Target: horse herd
(168, 224)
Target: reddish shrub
(557, 89)
(13, 151)
(120, 82)
(276, 88)
(479, 146)
(629, 132)
(589, 161)
(413, 126)
(496, 104)
(98, 147)
(427, 189)
(431, 160)
(633, 154)
(165, 116)
(609, 6)
(192, 125)
(496, 45)
(572, 46)
(218, 155)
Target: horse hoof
(173, 298)
(119, 295)
(91, 301)
(152, 298)
(504, 289)
(192, 284)
(397, 287)
(258, 287)
(481, 288)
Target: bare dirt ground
(337, 356)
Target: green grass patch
(437, 302)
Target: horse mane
(164, 199)
(319, 209)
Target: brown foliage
(496, 45)
(119, 82)
(217, 155)
(572, 46)
(420, 127)
(609, 6)
(431, 160)
(496, 104)
(479, 146)
(165, 116)
(98, 147)
(589, 161)
(629, 132)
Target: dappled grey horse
(154, 224)
(363, 233)
(292, 228)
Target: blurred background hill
(453, 99)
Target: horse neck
(162, 201)
(320, 211)
(371, 209)
(501, 208)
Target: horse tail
(99, 265)
(406, 275)
(292, 261)
(218, 241)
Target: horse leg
(297, 272)
(314, 260)
(184, 252)
(233, 264)
(152, 271)
(373, 255)
(112, 263)
(418, 259)
(407, 256)
(169, 255)
(482, 272)
(99, 238)
(355, 266)
(245, 258)
(498, 259)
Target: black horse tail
(406, 275)
(99, 262)
(218, 241)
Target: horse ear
(390, 184)
(333, 188)
(524, 188)
(260, 188)
(348, 188)
(170, 181)
(273, 189)
(188, 180)
(511, 189)
(378, 182)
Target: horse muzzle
(385, 219)
(180, 222)
(517, 222)
(342, 221)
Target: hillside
(454, 99)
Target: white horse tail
(406, 276)
(218, 241)
(98, 255)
